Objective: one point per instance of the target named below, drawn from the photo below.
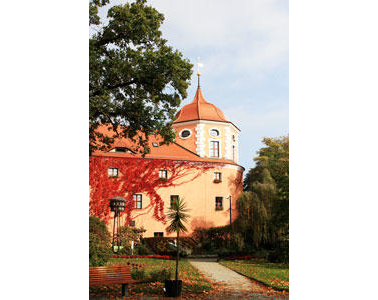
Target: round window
(185, 133)
(214, 132)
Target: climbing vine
(136, 175)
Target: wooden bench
(119, 274)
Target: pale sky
(244, 46)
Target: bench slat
(110, 275)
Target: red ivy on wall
(136, 175)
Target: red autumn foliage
(136, 175)
(145, 256)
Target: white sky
(244, 48)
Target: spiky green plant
(177, 216)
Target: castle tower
(202, 128)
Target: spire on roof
(198, 71)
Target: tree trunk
(178, 253)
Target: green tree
(177, 216)
(136, 80)
(275, 158)
(99, 242)
(255, 209)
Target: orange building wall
(199, 195)
(188, 143)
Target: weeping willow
(255, 209)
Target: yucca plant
(177, 216)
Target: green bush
(162, 246)
(161, 275)
(138, 274)
(99, 242)
(185, 252)
(124, 250)
(126, 235)
(280, 254)
(142, 249)
(227, 252)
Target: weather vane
(199, 65)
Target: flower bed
(131, 264)
(145, 256)
(244, 257)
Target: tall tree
(255, 209)
(136, 80)
(275, 158)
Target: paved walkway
(229, 285)
(232, 285)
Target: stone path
(229, 285)
(232, 284)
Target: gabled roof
(172, 151)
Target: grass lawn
(193, 282)
(272, 274)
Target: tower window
(132, 223)
(185, 133)
(233, 137)
(214, 149)
(214, 132)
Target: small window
(214, 132)
(218, 203)
(233, 138)
(158, 234)
(155, 144)
(174, 198)
(185, 133)
(132, 223)
(217, 177)
(137, 201)
(163, 174)
(113, 172)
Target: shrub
(161, 275)
(185, 252)
(99, 242)
(280, 254)
(162, 246)
(138, 274)
(126, 235)
(143, 249)
(125, 250)
(226, 252)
